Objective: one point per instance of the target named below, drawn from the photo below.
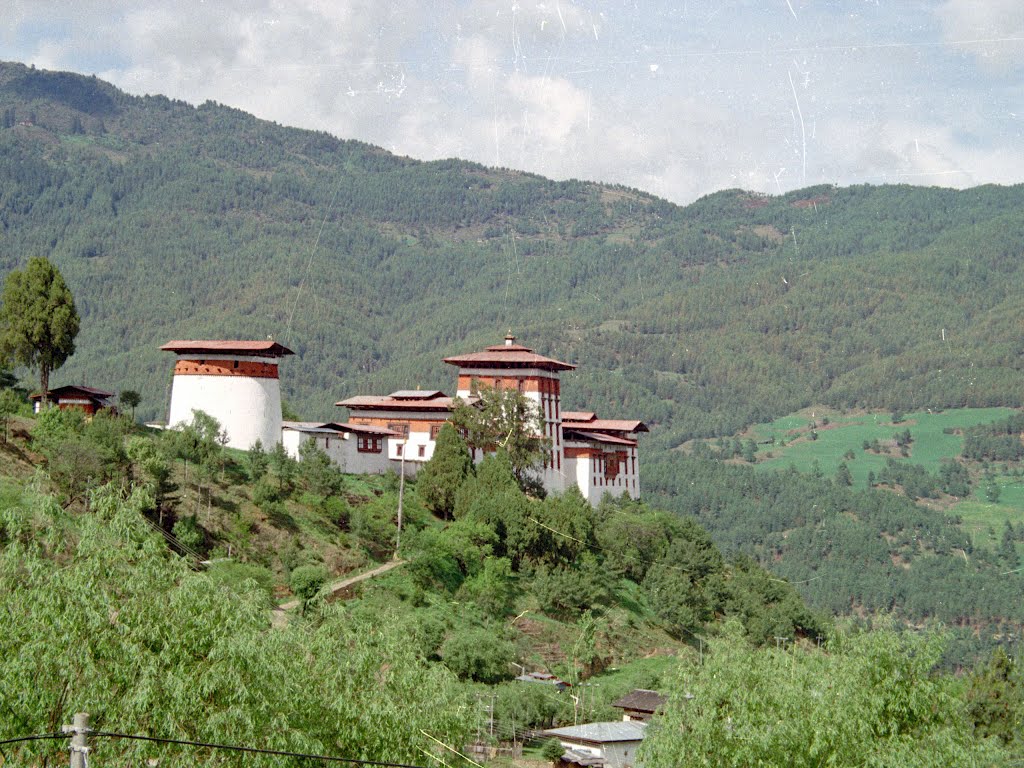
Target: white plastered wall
(249, 409)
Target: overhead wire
(252, 750)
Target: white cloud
(886, 93)
(991, 31)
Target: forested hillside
(174, 221)
(177, 221)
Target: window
(612, 466)
(398, 449)
(423, 451)
(435, 430)
(236, 364)
(401, 428)
(368, 444)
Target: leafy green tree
(10, 404)
(871, 699)
(129, 398)
(492, 590)
(995, 699)
(843, 475)
(256, 462)
(284, 468)
(1008, 547)
(187, 531)
(992, 491)
(493, 498)
(552, 751)
(441, 477)
(316, 471)
(568, 528)
(38, 319)
(568, 589)
(507, 419)
(479, 653)
(155, 648)
(306, 581)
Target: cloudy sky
(677, 97)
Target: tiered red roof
(509, 355)
(267, 348)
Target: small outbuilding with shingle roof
(640, 705)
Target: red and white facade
(513, 366)
(412, 417)
(75, 397)
(236, 382)
(599, 456)
(354, 448)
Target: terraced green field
(789, 441)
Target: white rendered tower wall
(237, 388)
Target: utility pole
(79, 739)
(401, 494)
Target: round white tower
(236, 382)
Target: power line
(37, 737)
(210, 745)
(253, 750)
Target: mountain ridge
(172, 221)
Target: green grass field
(839, 433)
(847, 432)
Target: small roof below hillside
(641, 700)
(266, 348)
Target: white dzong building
(536, 377)
(236, 382)
(597, 456)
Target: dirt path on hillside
(279, 614)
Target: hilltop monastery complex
(237, 383)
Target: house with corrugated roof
(608, 745)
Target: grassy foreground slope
(103, 617)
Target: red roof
(578, 415)
(267, 348)
(509, 355)
(597, 437)
(71, 390)
(604, 425)
(417, 394)
(391, 403)
(367, 429)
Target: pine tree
(38, 319)
(442, 476)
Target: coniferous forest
(169, 220)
